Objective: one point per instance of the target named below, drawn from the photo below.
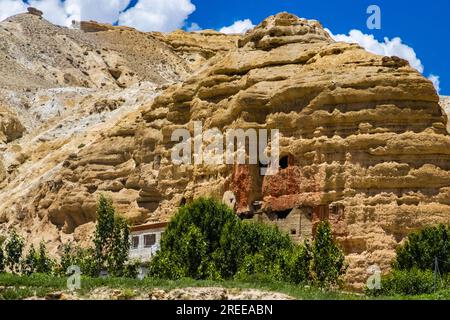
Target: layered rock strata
(363, 144)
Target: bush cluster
(423, 248)
(413, 271)
(109, 251)
(206, 240)
(12, 257)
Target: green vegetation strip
(39, 285)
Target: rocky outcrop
(363, 144)
(445, 103)
(34, 11)
(94, 26)
(192, 293)
(198, 47)
(10, 127)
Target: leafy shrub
(67, 259)
(413, 268)
(111, 240)
(38, 262)
(14, 248)
(407, 282)
(110, 250)
(30, 261)
(423, 247)
(191, 245)
(2, 257)
(206, 240)
(131, 269)
(299, 264)
(327, 259)
(44, 264)
(77, 256)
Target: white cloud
(239, 26)
(11, 7)
(390, 47)
(100, 10)
(146, 15)
(157, 15)
(53, 10)
(63, 12)
(193, 27)
(435, 79)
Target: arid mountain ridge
(91, 111)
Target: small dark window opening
(283, 214)
(149, 240)
(284, 162)
(293, 232)
(135, 242)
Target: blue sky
(421, 27)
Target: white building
(145, 240)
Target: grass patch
(20, 287)
(15, 287)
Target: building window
(149, 240)
(135, 242)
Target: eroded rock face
(35, 54)
(10, 127)
(60, 90)
(445, 103)
(363, 139)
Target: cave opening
(284, 162)
(157, 162)
(282, 214)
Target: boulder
(34, 11)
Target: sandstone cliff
(61, 88)
(363, 137)
(445, 103)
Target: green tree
(30, 262)
(191, 243)
(111, 239)
(104, 231)
(327, 258)
(44, 264)
(206, 240)
(120, 247)
(14, 248)
(300, 264)
(2, 256)
(76, 256)
(67, 258)
(423, 248)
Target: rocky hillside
(364, 136)
(61, 88)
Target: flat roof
(149, 226)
